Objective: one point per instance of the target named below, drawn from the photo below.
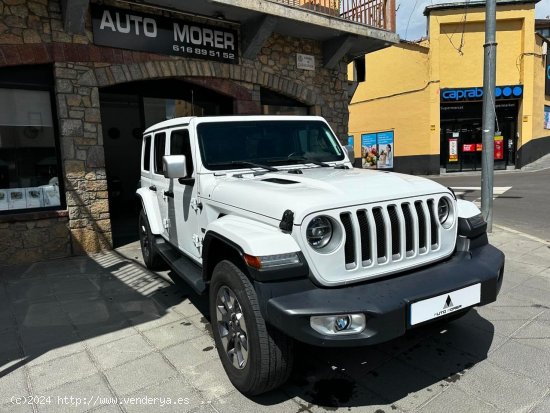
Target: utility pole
(489, 113)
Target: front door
(182, 201)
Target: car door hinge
(197, 241)
(166, 223)
(196, 204)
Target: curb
(523, 234)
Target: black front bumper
(385, 302)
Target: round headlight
(443, 210)
(319, 232)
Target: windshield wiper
(255, 165)
(303, 158)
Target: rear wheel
(152, 259)
(256, 357)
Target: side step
(181, 265)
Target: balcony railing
(376, 13)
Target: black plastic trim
(472, 227)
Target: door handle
(153, 188)
(169, 193)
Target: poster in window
(17, 198)
(3, 199)
(499, 148)
(51, 195)
(547, 117)
(350, 140)
(453, 150)
(369, 151)
(385, 150)
(35, 198)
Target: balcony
(375, 13)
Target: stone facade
(31, 32)
(32, 238)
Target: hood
(316, 190)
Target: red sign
(479, 147)
(499, 147)
(468, 147)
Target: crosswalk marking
(460, 191)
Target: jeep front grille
(393, 232)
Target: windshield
(224, 145)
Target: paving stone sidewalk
(103, 334)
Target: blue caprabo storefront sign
(476, 93)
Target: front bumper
(386, 302)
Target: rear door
(182, 209)
(159, 183)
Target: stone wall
(31, 238)
(31, 32)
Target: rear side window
(147, 153)
(160, 140)
(181, 145)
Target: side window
(181, 145)
(160, 140)
(147, 153)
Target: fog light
(342, 322)
(338, 324)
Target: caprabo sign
(476, 93)
(126, 29)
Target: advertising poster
(453, 150)
(3, 199)
(350, 140)
(51, 195)
(17, 198)
(385, 150)
(369, 151)
(499, 148)
(547, 117)
(35, 198)
(468, 147)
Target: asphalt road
(524, 207)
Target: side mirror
(174, 166)
(351, 153)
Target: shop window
(29, 162)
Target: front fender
(466, 209)
(151, 208)
(253, 237)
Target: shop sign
(453, 150)
(305, 61)
(499, 147)
(476, 93)
(127, 29)
(377, 150)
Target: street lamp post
(489, 113)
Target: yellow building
(419, 110)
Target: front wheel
(152, 259)
(256, 357)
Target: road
(523, 207)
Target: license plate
(444, 304)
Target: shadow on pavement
(49, 305)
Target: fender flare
(151, 208)
(466, 209)
(252, 237)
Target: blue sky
(407, 12)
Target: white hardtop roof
(184, 121)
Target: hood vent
(279, 181)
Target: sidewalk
(116, 337)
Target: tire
(152, 259)
(268, 360)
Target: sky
(411, 22)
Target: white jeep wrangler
(267, 214)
